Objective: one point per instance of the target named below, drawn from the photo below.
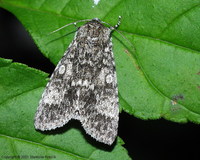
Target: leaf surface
(159, 76)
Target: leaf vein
(153, 86)
(177, 17)
(43, 145)
(12, 97)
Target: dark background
(144, 140)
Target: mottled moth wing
(84, 86)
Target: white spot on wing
(78, 93)
(79, 82)
(107, 49)
(73, 83)
(61, 69)
(91, 86)
(109, 78)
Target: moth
(83, 85)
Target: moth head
(94, 32)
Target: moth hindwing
(83, 86)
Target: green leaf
(159, 76)
(20, 90)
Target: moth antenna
(115, 28)
(119, 22)
(84, 20)
(73, 23)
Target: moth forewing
(84, 86)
